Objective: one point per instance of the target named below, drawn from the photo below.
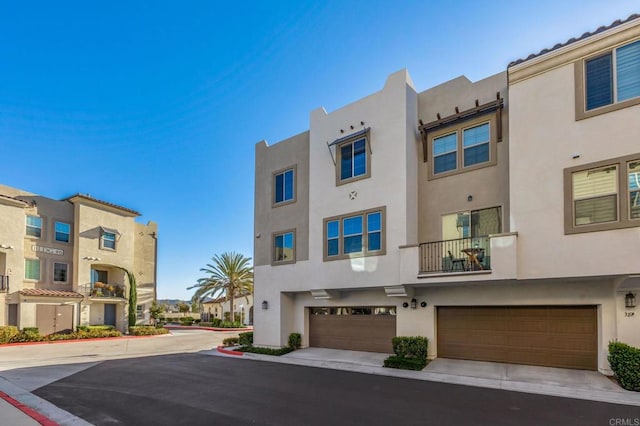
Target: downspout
(155, 266)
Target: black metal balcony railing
(4, 283)
(463, 254)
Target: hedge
(295, 340)
(410, 353)
(404, 363)
(7, 332)
(245, 339)
(31, 334)
(266, 351)
(147, 330)
(231, 341)
(625, 363)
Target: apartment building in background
(64, 263)
(498, 218)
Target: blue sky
(157, 105)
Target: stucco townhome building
(63, 262)
(498, 218)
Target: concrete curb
(222, 350)
(93, 339)
(46, 409)
(191, 327)
(43, 420)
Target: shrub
(266, 351)
(246, 339)
(227, 324)
(82, 328)
(7, 332)
(215, 322)
(205, 324)
(295, 341)
(395, 361)
(410, 347)
(625, 363)
(147, 330)
(231, 341)
(410, 353)
(101, 327)
(186, 320)
(26, 335)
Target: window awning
(353, 136)
(110, 231)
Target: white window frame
(39, 269)
(55, 232)
(39, 228)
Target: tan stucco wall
(546, 138)
(489, 186)
(269, 219)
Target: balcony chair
(454, 262)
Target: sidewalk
(579, 384)
(19, 407)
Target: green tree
(230, 274)
(133, 296)
(156, 311)
(184, 308)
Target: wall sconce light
(5, 246)
(414, 303)
(469, 198)
(630, 300)
(423, 304)
(265, 304)
(90, 258)
(405, 305)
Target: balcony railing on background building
(4, 283)
(460, 255)
(99, 289)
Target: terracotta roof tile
(90, 198)
(49, 293)
(573, 40)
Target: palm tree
(230, 274)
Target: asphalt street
(195, 389)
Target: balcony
(4, 283)
(99, 289)
(455, 256)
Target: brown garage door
(354, 328)
(555, 336)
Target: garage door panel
(559, 336)
(372, 333)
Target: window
(139, 311)
(284, 250)
(474, 223)
(595, 195)
(353, 162)
(108, 240)
(613, 77)
(633, 173)
(60, 272)
(34, 226)
(469, 146)
(608, 81)
(355, 234)
(603, 195)
(32, 269)
(98, 276)
(63, 232)
(284, 186)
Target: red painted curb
(43, 420)
(222, 350)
